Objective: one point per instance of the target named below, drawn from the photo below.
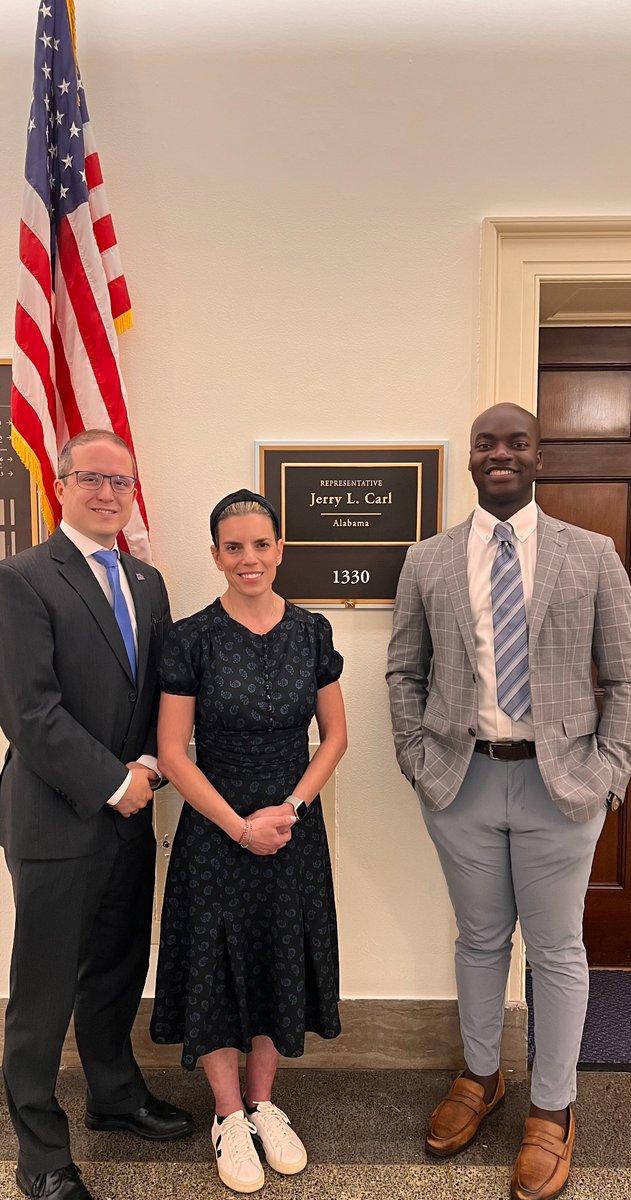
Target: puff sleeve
(329, 663)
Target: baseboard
(406, 1034)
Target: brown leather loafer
(455, 1122)
(543, 1164)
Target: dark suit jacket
(68, 702)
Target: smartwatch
(300, 808)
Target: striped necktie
(109, 560)
(510, 627)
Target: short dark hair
(85, 439)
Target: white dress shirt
(87, 548)
(494, 724)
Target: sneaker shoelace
(276, 1121)
(39, 1184)
(237, 1131)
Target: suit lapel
(456, 570)
(75, 570)
(551, 550)
(142, 604)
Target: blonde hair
(242, 508)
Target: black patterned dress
(248, 943)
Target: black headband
(244, 494)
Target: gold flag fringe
(34, 467)
(124, 322)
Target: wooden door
(584, 406)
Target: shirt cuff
(120, 792)
(150, 761)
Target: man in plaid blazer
(514, 789)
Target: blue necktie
(510, 627)
(109, 560)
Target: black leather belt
(506, 751)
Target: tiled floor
(363, 1134)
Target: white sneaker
(283, 1149)
(238, 1164)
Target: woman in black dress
(248, 949)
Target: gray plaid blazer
(580, 610)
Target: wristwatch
(300, 808)
(613, 802)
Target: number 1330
(346, 577)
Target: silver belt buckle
(491, 754)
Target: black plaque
(348, 515)
(18, 507)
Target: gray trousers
(507, 851)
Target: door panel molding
(585, 411)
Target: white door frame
(518, 254)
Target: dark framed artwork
(19, 519)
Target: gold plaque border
(284, 466)
(276, 447)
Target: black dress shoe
(63, 1184)
(156, 1120)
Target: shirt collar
(84, 544)
(523, 523)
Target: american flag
(72, 299)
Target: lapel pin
(139, 576)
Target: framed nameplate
(348, 514)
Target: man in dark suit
(496, 727)
(80, 641)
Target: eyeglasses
(93, 480)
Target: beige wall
(298, 192)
